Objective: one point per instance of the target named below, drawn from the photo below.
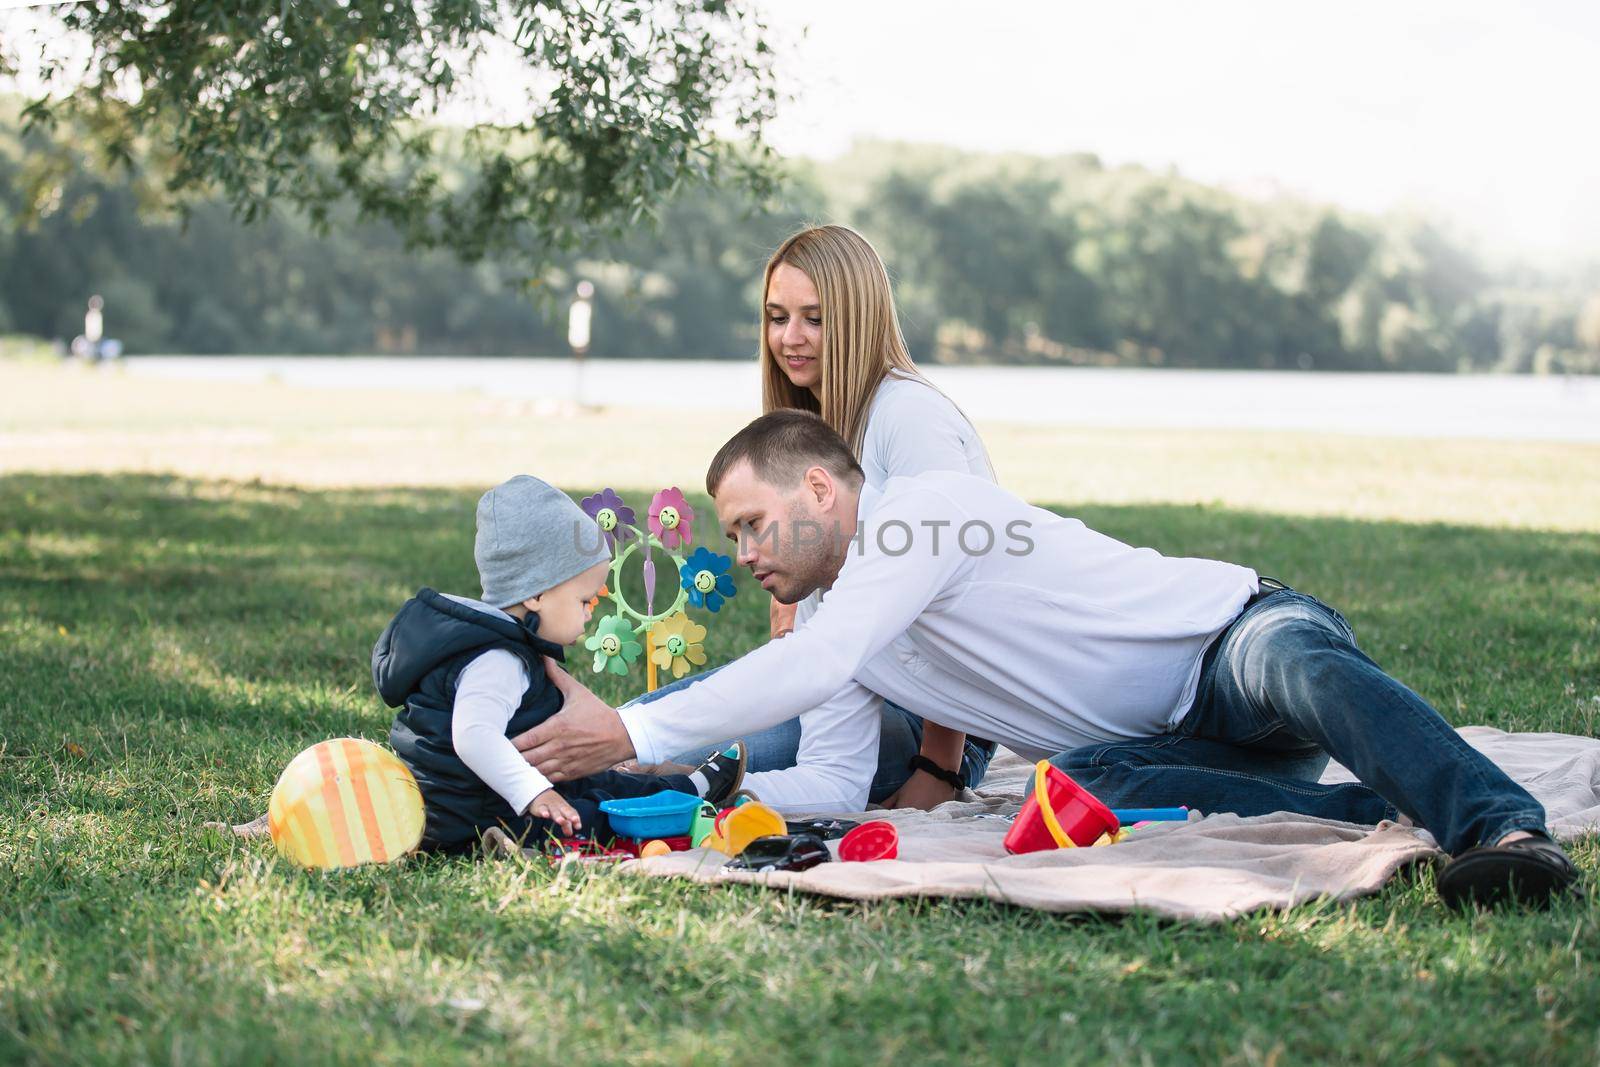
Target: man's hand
(922, 790)
(553, 806)
(585, 737)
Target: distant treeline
(996, 259)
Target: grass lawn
(169, 640)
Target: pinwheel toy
(704, 576)
(613, 646)
(671, 518)
(671, 641)
(614, 518)
(677, 640)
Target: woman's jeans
(1281, 689)
(900, 738)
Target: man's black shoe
(1531, 870)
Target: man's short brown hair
(781, 446)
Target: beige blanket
(1208, 869)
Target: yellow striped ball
(345, 802)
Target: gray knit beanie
(531, 538)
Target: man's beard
(807, 567)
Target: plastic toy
(634, 846)
(704, 824)
(827, 829)
(345, 802)
(613, 646)
(657, 847)
(706, 579)
(678, 644)
(671, 518)
(1059, 813)
(1129, 816)
(737, 827)
(740, 800)
(664, 814)
(670, 640)
(876, 840)
(583, 848)
(781, 852)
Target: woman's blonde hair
(861, 339)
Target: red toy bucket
(1072, 818)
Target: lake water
(1412, 405)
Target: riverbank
(1498, 407)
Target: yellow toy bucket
(744, 824)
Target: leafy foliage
(317, 103)
(1002, 259)
(1029, 260)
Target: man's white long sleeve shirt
(978, 611)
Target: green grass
(168, 644)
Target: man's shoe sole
(1495, 874)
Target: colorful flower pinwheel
(705, 575)
(671, 518)
(613, 646)
(677, 642)
(662, 633)
(610, 514)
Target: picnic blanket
(1207, 869)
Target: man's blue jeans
(1281, 689)
(899, 739)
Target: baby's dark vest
(459, 805)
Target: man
(1152, 680)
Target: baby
(468, 676)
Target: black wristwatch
(919, 762)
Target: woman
(831, 344)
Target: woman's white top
(912, 428)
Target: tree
(1009, 259)
(989, 252)
(316, 103)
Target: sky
(1485, 112)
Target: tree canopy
(1003, 259)
(513, 128)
